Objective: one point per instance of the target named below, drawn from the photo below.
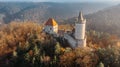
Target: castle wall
(51, 29)
(48, 29)
(70, 40)
(55, 29)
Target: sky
(63, 0)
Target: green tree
(57, 48)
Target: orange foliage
(67, 59)
(62, 49)
(80, 57)
(17, 33)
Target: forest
(24, 44)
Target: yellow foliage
(62, 49)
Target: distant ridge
(107, 20)
(40, 12)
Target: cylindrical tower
(80, 26)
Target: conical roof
(51, 22)
(80, 17)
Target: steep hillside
(106, 21)
(40, 12)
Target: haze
(60, 0)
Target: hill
(107, 20)
(24, 44)
(39, 12)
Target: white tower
(80, 31)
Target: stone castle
(78, 38)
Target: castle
(78, 39)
